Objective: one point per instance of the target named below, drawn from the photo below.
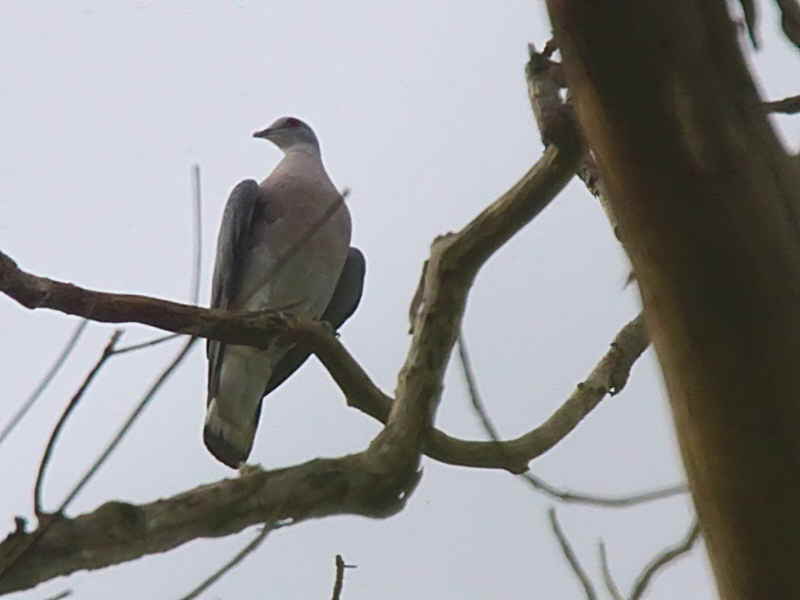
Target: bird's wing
(342, 305)
(232, 245)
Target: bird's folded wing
(343, 303)
(232, 243)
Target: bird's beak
(264, 133)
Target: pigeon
(284, 245)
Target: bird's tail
(229, 442)
(234, 408)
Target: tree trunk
(706, 201)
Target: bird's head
(289, 133)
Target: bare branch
(251, 546)
(608, 578)
(115, 532)
(789, 106)
(537, 483)
(339, 581)
(569, 554)
(73, 403)
(663, 559)
(197, 234)
(605, 501)
(147, 344)
(42, 386)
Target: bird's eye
(292, 122)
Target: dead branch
(608, 578)
(338, 583)
(71, 405)
(615, 381)
(117, 531)
(664, 558)
(251, 547)
(788, 106)
(569, 554)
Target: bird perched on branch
(284, 245)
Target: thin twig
(338, 583)
(73, 403)
(197, 231)
(663, 558)
(606, 501)
(37, 392)
(239, 557)
(608, 578)
(787, 106)
(534, 481)
(148, 344)
(569, 554)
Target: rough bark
(706, 200)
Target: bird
(284, 245)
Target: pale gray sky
(421, 109)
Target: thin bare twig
(569, 554)
(40, 388)
(239, 557)
(534, 481)
(197, 231)
(788, 106)
(664, 558)
(148, 344)
(338, 583)
(606, 501)
(73, 403)
(608, 578)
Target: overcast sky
(421, 109)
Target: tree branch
(608, 578)
(107, 353)
(789, 106)
(569, 554)
(117, 531)
(664, 558)
(251, 547)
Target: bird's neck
(304, 148)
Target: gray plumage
(261, 264)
